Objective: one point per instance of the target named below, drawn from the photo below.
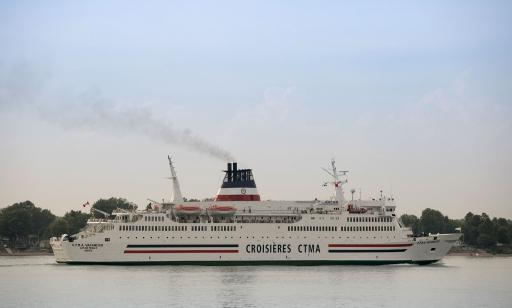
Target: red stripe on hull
(237, 198)
(370, 245)
(183, 251)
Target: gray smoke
(22, 92)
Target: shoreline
(477, 254)
(25, 253)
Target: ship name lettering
(87, 246)
(429, 242)
(268, 248)
(308, 248)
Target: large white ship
(236, 228)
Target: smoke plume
(21, 91)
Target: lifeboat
(355, 210)
(190, 210)
(222, 210)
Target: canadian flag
(85, 204)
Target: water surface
(455, 282)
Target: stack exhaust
(238, 185)
(229, 173)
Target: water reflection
(458, 281)
(236, 289)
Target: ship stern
(58, 250)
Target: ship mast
(337, 182)
(176, 192)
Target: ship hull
(253, 244)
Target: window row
(153, 218)
(152, 228)
(223, 228)
(370, 219)
(367, 228)
(312, 228)
(176, 228)
(342, 228)
(199, 228)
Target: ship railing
(100, 220)
(258, 212)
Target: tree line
(24, 225)
(479, 230)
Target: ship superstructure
(237, 227)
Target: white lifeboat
(190, 210)
(222, 210)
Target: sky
(412, 97)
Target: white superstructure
(237, 228)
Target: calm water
(456, 282)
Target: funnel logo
(243, 191)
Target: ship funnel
(238, 185)
(229, 173)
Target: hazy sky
(411, 97)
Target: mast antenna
(337, 181)
(176, 192)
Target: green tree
(58, 227)
(41, 219)
(22, 219)
(449, 225)
(431, 221)
(411, 221)
(470, 228)
(75, 220)
(502, 235)
(486, 235)
(16, 222)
